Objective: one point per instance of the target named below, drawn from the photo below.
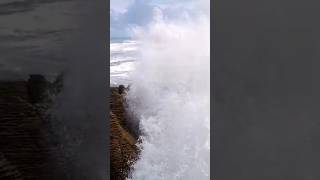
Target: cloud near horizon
(127, 14)
(123, 16)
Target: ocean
(124, 53)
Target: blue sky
(125, 14)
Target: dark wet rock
(37, 88)
(121, 89)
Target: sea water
(123, 56)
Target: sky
(127, 14)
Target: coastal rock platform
(123, 150)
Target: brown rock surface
(123, 150)
(23, 149)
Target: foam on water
(170, 95)
(123, 56)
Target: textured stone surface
(123, 148)
(23, 148)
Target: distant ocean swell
(123, 57)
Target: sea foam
(170, 96)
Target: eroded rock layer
(23, 147)
(123, 150)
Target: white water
(170, 95)
(123, 56)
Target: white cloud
(120, 6)
(126, 14)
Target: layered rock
(23, 147)
(26, 150)
(123, 150)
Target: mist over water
(170, 95)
